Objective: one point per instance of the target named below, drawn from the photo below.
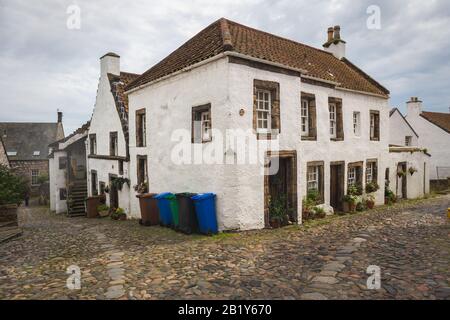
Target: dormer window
(11, 153)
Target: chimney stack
(413, 107)
(335, 44)
(110, 63)
(60, 115)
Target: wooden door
(113, 195)
(336, 186)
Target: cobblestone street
(327, 259)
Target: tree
(12, 187)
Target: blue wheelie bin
(165, 213)
(205, 209)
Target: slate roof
(442, 120)
(27, 137)
(83, 128)
(225, 35)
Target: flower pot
(370, 204)
(275, 223)
(349, 206)
(122, 217)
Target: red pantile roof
(225, 35)
(442, 120)
(118, 83)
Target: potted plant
(119, 182)
(372, 187)
(360, 206)
(349, 203)
(309, 203)
(401, 173)
(389, 196)
(412, 170)
(103, 210)
(141, 188)
(277, 212)
(319, 213)
(119, 214)
(350, 198)
(370, 202)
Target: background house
(27, 147)
(3, 156)
(401, 131)
(327, 116)
(433, 129)
(68, 173)
(108, 153)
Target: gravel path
(410, 243)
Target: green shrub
(12, 188)
(372, 187)
(102, 207)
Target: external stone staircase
(76, 198)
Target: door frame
(292, 183)
(111, 177)
(341, 184)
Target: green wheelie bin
(174, 208)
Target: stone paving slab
(123, 260)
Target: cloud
(46, 66)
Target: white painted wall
(57, 181)
(105, 119)
(399, 130)
(418, 184)
(433, 138)
(229, 88)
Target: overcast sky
(45, 66)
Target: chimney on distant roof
(110, 63)
(413, 107)
(330, 34)
(335, 44)
(60, 115)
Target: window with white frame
(313, 178)
(351, 176)
(304, 117)
(372, 126)
(357, 123)
(263, 110)
(201, 124)
(206, 125)
(369, 172)
(332, 109)
(408, 141)
(34, 177)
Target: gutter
(364, 92)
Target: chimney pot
(60, 115)
(337, 33)
(330, 34)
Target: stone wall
(8, 215)
(23, 168)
